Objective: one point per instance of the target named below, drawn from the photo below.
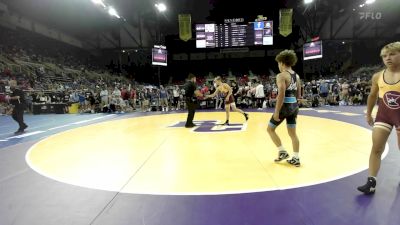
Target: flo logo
(370, 15)
(212, 126)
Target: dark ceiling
(82, 18)
(77, 17)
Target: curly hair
(287, 57)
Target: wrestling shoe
(282, 155)
(19, 131)
(369, 187)
(246, 115)
(294, 161)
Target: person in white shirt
(260, 96)
(74, 97)
(104, 96)
(176, 93)
(116, 93)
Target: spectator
(260, 95)
(176, 93)
(323, 91)
(345, 93)
(163, 99)
(104, 96)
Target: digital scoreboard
(312, 50)
(234, 34)
(159, 55)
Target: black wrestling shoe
(246, 115)
(226, 123)
(294, 161)
(369, 187)
(19, 131)
(282, 155)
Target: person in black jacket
(191, 94)
(17, 98)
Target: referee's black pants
(18, 115)
(191, 106)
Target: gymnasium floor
(147, 169)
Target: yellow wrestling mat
(156, 155)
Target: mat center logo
(212, 126)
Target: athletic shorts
(289, 112)
(388, 115)
(230, 100)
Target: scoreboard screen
(159, 55)
(234, 34)
(312, 50)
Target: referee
(191, 99)
(17, 98)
